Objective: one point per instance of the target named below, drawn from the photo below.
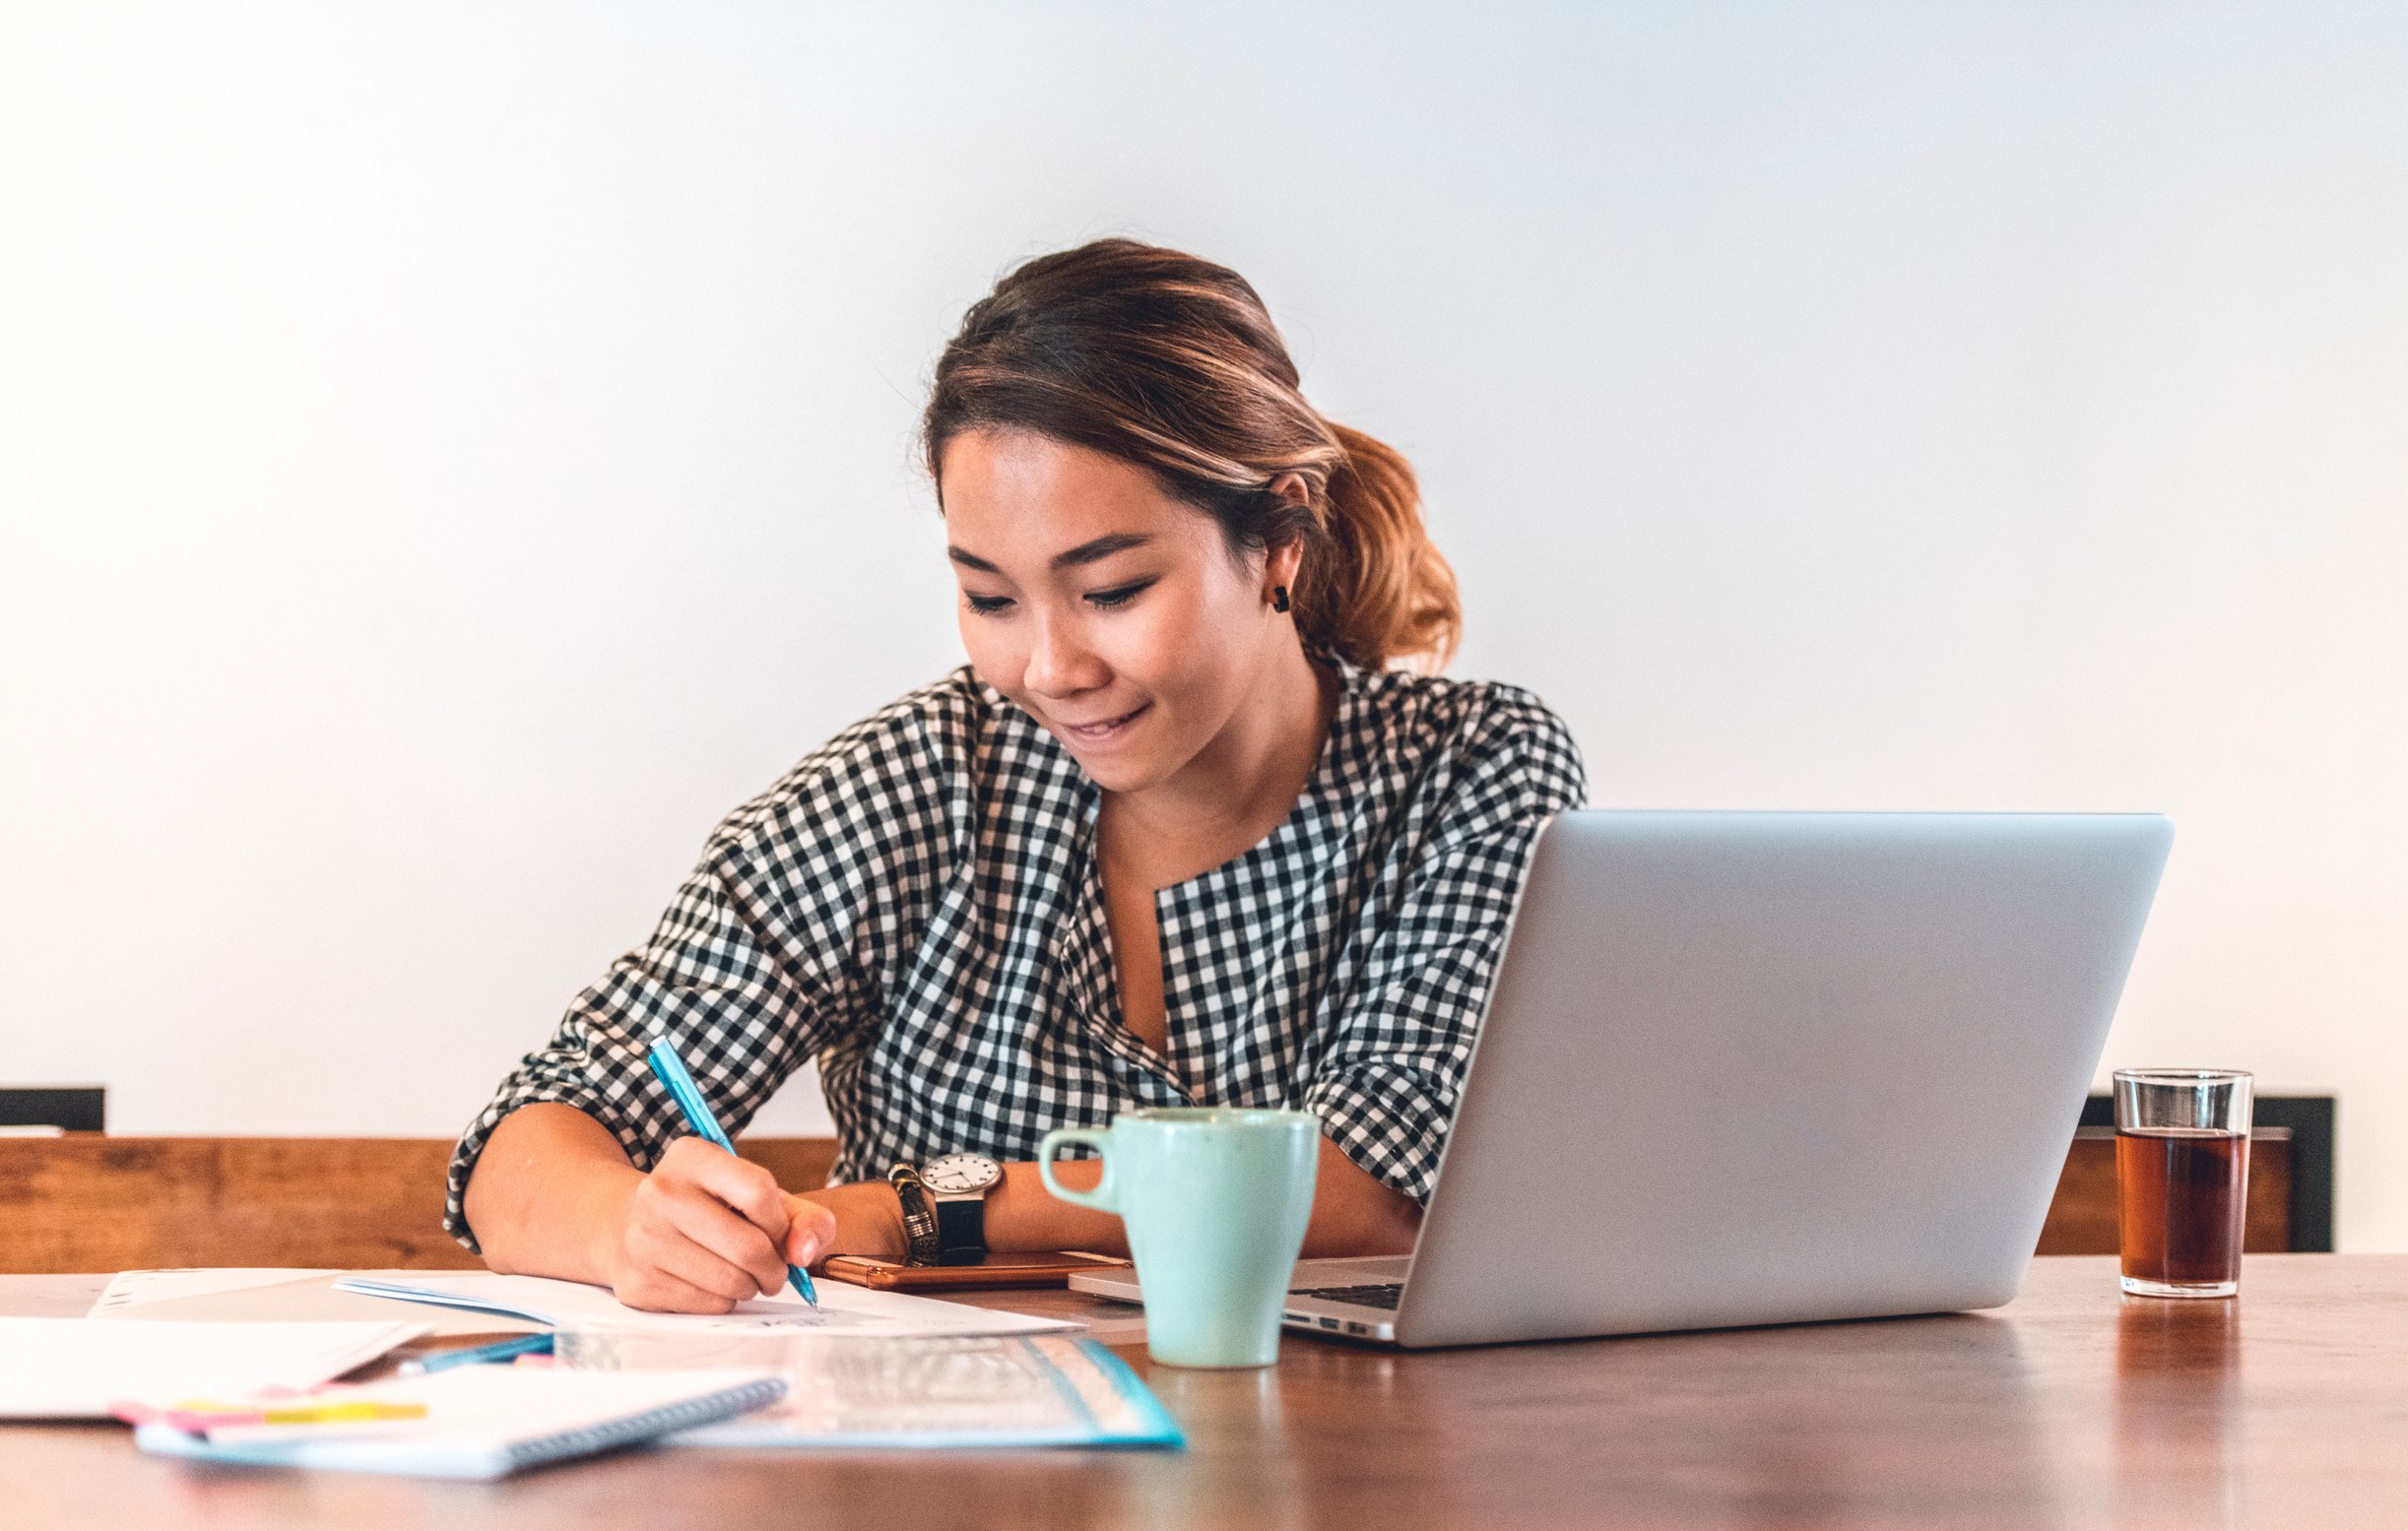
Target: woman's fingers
(811, 1231)
(656, 1291)
(732, 1208)
(713, 1229)
(673, 1254)
(743, 1186)
(711, 1223)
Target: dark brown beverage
(2183, 1191)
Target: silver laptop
(1750, 1069)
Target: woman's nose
(1061, 664)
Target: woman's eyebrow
(1091, 552)
(1100, 548)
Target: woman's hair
(1172, 364)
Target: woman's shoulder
(1469, 754)
(908, 761)
(1472, 718)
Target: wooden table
(2070, 1408)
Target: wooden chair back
(86, 1203)
(2083, 1215)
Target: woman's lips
(1102, 731)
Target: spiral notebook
(469, 1422)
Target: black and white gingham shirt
(917, 905)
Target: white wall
(449, 455)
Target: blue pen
(479, 1355)
(670, 1070)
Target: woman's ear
(1280, 566)
(1281, 561)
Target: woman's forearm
(1353, 1213)
(549, 1194)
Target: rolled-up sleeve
(741, 1021)
(1396, 1050)
(773, 952)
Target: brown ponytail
(1172, 364)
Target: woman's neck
(1237, 789)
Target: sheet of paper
(573, 1304)
(297, 1295)
(76, 1368)
(849, 1391)
(130, 1289)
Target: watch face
(958, 1172)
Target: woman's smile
(1104, 731)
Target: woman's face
(1110, 612)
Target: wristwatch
(958, 1185)
(919, 1221)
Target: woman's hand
(705, 1231)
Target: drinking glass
(2183, 1173)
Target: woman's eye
(1118, 595)
(986, 605)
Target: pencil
(670, 1070)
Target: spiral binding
(643, 1427)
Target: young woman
(1179, 834)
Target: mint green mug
(1214, 1199)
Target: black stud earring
(1278, 598)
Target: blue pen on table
(670, 1070)
(478, 1355)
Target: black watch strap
(961, 1229)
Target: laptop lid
(1746, 1069)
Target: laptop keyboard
(1383, 1293)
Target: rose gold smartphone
(1026, 1268)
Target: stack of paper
(867, 1369)
(74, 1368)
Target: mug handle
(1098, 1138)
